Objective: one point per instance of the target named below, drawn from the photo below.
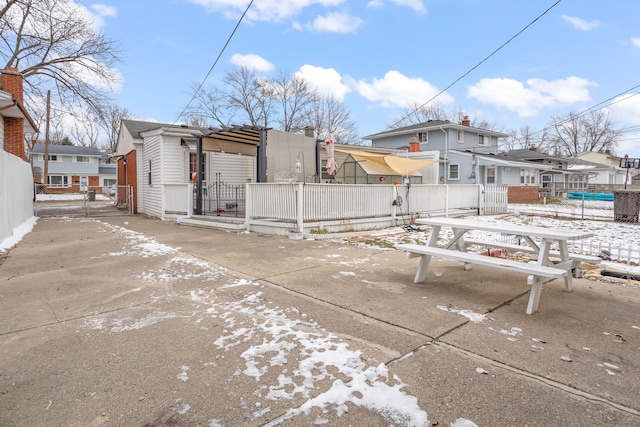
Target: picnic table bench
(542, 270)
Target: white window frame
(487, 175)
(82, 159)
(484, 140)
(460, 136)
(64, 181)
(423, 137)
(52, 158)
(449, 175)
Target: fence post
(300, 207)
(481, 201)
(247, 207)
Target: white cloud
(264, 10)
(99, 11)
(326, 80)
(581, 24)
(413, 4)
(626, 108)
(252, 61)
(396, 89)
(528, 101)
(104, 10)
(635, 41)
(337, 22)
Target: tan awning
(395, 165)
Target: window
(58, 181)
(423, 137)
(460, 136)
(149, 174)
(454, 171)
(193, 159)
(108, 182)
(52, 157)
(82, 159)
(527, 176)
(491, 175)
(546, 181)
(484, 140)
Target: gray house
(468, 155)
(73, 169)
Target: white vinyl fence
(16, 193)
(301, 206)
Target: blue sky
(379, 55)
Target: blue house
(74, 169)
(468, 155)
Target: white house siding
(173, 164)
(151, 203)
(233, 168)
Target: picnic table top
(506, 228)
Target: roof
(526, 154)
(430, 124)
(11, 106)
(135, 127)
(68, 149)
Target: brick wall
(13, 127)
(127, 175)
(523, 194)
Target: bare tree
(414, 113)
(574, 134)
(209, 108)
(83, 127)
(54, 44)
(330, 116)
(248, 94)
(296, 99)
(109, 118)
(525, 138)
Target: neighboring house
(605, 169)
(468, 155)
(555, 177)
(72, 169)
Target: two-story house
(72, 169)
(468, 155)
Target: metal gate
(57, 201)
(223, 199)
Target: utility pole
(45, 177)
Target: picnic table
(550, 264)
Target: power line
(592, 108)
(214, 63)
(415, 110)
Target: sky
(380, 55)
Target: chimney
(466, 121)
(533, 148)
(607, 152)
(12, 82)
(13, 126)
(309, 131)
(414, 145)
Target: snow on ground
(319, 357)
(621, 239)
(67, 197)
(18, 233)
